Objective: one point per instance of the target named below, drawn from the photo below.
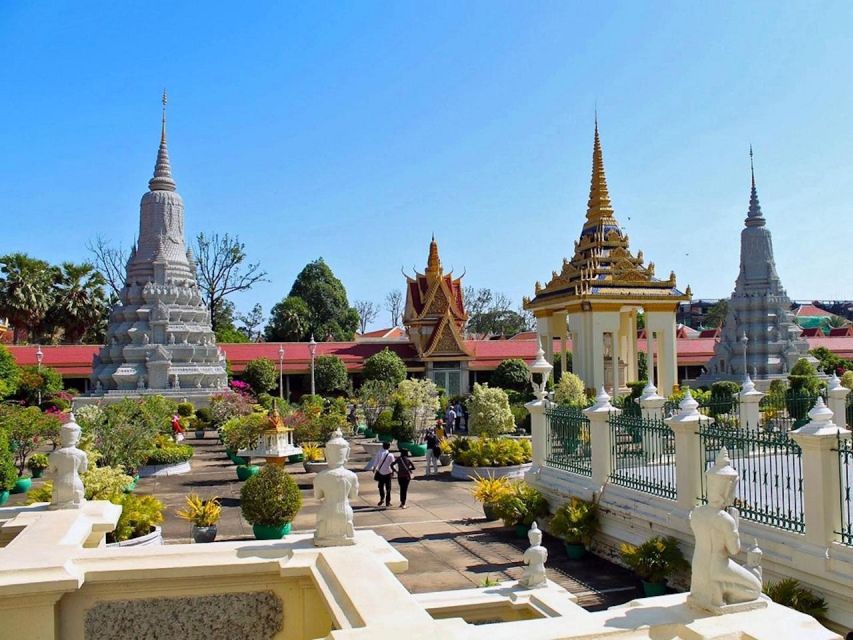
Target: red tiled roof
(812, 332)
(391, 332)
(841, 331)
(709, 333)
(811, 310)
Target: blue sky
(353, 131)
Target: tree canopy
(10, 374)
(385, 366)
(511, 374)
(261, 374)
(330, 375)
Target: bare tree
(221, 270)
(367, 312)
(252, 322)
(394, 306)
(111, 262)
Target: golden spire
(598, 208)
(433, 262)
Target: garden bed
(461, 472)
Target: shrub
(125, 435)
(655, 559)
(202, 513)
(99, 483)
(490, 452)
(186, 409)
(8, 472)
(374, 396)
(790, 593)
(804, 377)
(847, 379)
(420, 396)
(34, 379)
(511, 374)
(37, 462)
(384, 423)
(576, 521)
(330, 374)
(402, 424)
(225, 406)
(243, 432)
(26, 428)
(157, 412)
(10, 373)
(56, 404)
(522, 504)
(266, 401)
(270, 498)
(261, 374)
(488, 490)
(489, 414)
(521, 416)
(385, 366)
(139, 515)
(204, 414)
(570, 391)
(722, 398)
(170, 455)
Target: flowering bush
(489, 414)
(420, 397)
(225, 406)
(570, 391)
(243, 388)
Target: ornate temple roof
(603, 264)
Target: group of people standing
(453, 418)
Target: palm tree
(26, 292)
(80, 300)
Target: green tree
(223, 321)
(261, 374)
(570, 391)
(717, 314)
(385, 366)
(35, 381)
(26, 293)
(10, 373)
(79, 301)
(489, 414)
(25, 427)
(290, 321)
(329, 311)
(8, 472)
(511, 374)
(330, 374)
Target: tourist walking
(432, 452)
(383, 466)
(450, 419)
(459, 411)
(404, 467)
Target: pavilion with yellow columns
(596, 296)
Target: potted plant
(37, 464)
(653, 562)
(137, 525)
(315, 458)
(446, 456)
(269, 502)
(8, 472)
(575, 523)
(242, 433)
(520, 506)
(487, 490)
(204, 514)
(199, 427)
(384, 426)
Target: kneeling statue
(65, 466)
(335, 487)
(535, 557)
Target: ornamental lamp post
(280, 372)
(542, 368)
(744, 341)
(39, 358)
(312, 349)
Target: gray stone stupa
(760, 309)
(159, 339)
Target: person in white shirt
(450, 419)
(382, 466)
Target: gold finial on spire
(433, 262)
(598, 208)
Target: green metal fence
(722, 408)
(567, 440)
(784, 412)
(845, 468)
(770, 466)
(642, 455)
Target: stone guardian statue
(335, 487)
(65, 466)
(717, 580)
(534, 559)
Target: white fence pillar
(538, 430)
(750, 397)
(651, 403)
(821, 479)
(689, 459)
(836, 399)
(600, 436)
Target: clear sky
(354, 130)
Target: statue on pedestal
(717, 580)
(335, 487)
(65, 466)
(535, 557)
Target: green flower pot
(270, 532)
(22, 485)
(130, 486)
(296, 457)
(4, 497)
(415, 450)
(37, 473)
(385, 437)
(521, 530)
(244, 472)
(574, 551)
(369, 433)
(652, 589)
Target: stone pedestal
(750, 399)
(601, 437)
(689, 458)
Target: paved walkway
(442, 533)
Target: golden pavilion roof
(603, 264)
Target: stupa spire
(599, 207)
(754, 218)
(433, 262)
(162, 180)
